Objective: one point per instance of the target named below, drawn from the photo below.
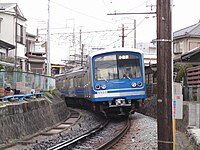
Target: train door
(86, 86)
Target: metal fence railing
(25, 82)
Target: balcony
(8, 61)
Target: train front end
(118, 80)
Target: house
(186, 39)
(12, 36)
(186, 48)
(187, 52)
(150, 52)
(36, 54)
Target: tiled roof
(191, 31)
(4, 6)
(191, 56)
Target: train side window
(71, 84)
(74, 82)
(66, 83)
(80, 81)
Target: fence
(25, 82)
(190, 93)
(151, 89)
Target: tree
(181, 75)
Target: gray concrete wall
(194, 114)
(21, 119)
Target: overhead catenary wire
(84, 14)
(128, 32)
(139, 5)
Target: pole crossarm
(136, 13)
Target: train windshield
(121, 66)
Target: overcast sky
(91, 15)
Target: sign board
(177, 102)
(177, 107)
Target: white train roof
(114, 50)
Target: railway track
(81, 130)
(102, 137)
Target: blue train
(112, 81)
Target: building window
(2, 55)
(21, 34)
(178, 47)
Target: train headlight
(133, 84)
(103, 86)
(97, 86)
(139, 84)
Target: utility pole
(123, 36)
(82, 55)
(48, 42)
(164, 75)
(80, 40)
(134, 33)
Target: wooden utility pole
(164, 75)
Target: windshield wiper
(105, 80)
(127, 77)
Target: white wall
(8, 33)
(7, 28)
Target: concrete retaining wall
(21, 119)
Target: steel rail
(114, 140)
(83, 136)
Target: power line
(82, 13)
(130, 31)
(138, 5)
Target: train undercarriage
(120, 107)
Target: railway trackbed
(101, 138)
(72, 118)
(81, 130)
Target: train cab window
(129, 66)
(117, 67)
(106, 67)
